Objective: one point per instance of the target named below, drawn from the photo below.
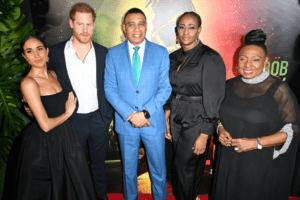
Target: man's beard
(83, 40)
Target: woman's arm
(276, 139)
(213, 86)
(168, 132)
(31, 93)
(248, 144)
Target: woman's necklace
(257, 79)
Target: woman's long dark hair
(24, 40)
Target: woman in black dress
(197, 76)
(259, 136)
(51, 164)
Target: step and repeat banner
(224, 22)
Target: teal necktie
(136, 64)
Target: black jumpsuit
(202, 75)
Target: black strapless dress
(52, 165)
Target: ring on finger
(169, 135)
(236, 148)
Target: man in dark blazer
(79, 65)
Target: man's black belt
(188, 98)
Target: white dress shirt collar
(142, 45)
(69, 47)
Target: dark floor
(115, 182)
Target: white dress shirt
(141, 51)
(83, 78)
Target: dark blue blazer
(57, 63)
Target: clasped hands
(239, 144)
(138, 120)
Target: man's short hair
(134, 11)
(81, 7)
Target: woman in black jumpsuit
(197, 76)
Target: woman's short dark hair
(24, 40)
(256, 37)
(190, 13)
(134, 11)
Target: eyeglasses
(190, 28)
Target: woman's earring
(237, 67)
(48, 59)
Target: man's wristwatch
(259, 146)
(146, 113)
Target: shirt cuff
(207, 128)
(289, 132)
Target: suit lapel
(128, 65)
(97, 70)
(63, 67)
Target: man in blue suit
(136, 83)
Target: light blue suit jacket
(152, 91)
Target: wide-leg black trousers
(187, 167)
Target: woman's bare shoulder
(28, 83)
(52, 72)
